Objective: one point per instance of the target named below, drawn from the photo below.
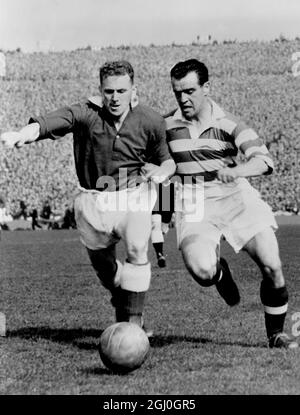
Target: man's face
(190, 95)
(116, 92)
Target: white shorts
(234, 210)
(102, 217)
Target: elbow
(172, 167)
(268, 170)
(266, 165)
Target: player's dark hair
(181, 69)
(114, 68)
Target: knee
(273, 272)
(200, 260)
(264, 250)
(272, 267)
(202, 270)
(137, 251)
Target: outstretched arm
(26, 135)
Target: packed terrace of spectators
(253, 80)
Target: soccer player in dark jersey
(216, 200)
(120, 153)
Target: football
(123, 347)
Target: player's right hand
(153, 172)
(12, 139)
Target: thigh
(255, 223)
(202, 231)
(135, 227)
(135, 230)
(94, 225)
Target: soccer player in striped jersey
(214, 199)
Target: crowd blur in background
(253, 80)
(44, 219)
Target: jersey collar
(97, 100)
(216, 114)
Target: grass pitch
(56, 311)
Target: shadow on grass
(98, 371)
(103, 371)
(88, 339)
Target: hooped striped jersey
(203, 150)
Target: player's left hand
(153, 172)
(227, 175)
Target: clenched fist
(27, 134)
(13, 139)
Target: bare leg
(263, 249)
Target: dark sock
(275, 301)
(158, 246)
(129, 305)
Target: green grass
(56, 311)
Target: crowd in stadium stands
(253, 80)
(45, 219)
